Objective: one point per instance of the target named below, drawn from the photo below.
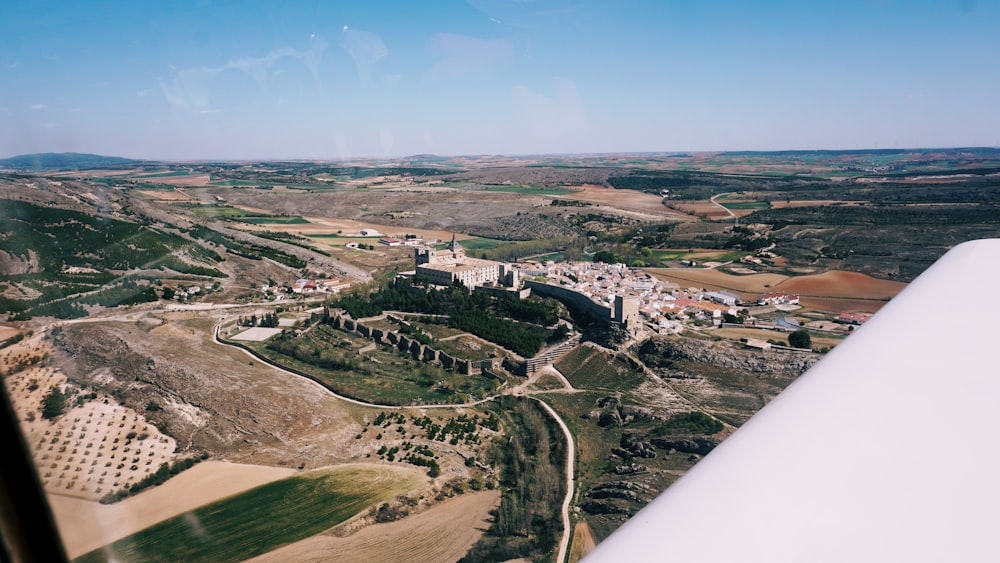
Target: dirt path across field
(728, 211)
(87, 525)
(444, 532)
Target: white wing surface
(887, 450)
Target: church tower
(457, 252)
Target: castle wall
(572, 298)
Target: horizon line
(674, 153)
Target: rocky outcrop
(627, 490)
(598, 507)
(664, 353)
(613, 413)
(700, 446)
(11, 264)
(631, 469)
(634, 446)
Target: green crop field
(260, 520)
(259, 220)
(745, 204)
(239, 183)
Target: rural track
(570, 479)
(723, 207)
(570, 447)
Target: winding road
(724, 208)
(520, 390)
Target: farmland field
(264, 518)
(274, 220)
(624, 199)
(754, 205)
(526, 190)
(837, 290)
(444, 532)
(87, 525)
(737, 333)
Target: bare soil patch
(444, 532)
(583, 541)
(836, 290)
(840, 283)
(86, 525)
(189, 180)
(745, 285)
(7, 332)
(164, 195)
(257, 334)
(621, 199)
(350, 227)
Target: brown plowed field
(839, 283)
(444, 532)
(701, 208)
(746, 286)
(835, 291)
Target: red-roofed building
(853, 318)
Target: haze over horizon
(220, 81)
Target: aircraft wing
(886, 450)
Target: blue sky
(326, 80)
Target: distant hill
(64, 161)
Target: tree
(607, 257)
(54, 404)
(800, 339)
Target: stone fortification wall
(572, 298)
(407, 345)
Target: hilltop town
(461, 337)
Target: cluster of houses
(661, 304)
(184, 293)
(306, 286)
(408, 241)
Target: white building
(444, 267)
